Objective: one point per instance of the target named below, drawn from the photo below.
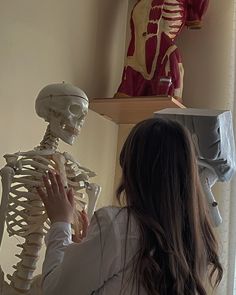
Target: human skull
(64, 106)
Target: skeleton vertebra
(64, 107)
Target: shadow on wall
(110, 38)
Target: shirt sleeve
(195, 12)
(71, 268)
(57, 240)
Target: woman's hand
(58, 202)
(84, 221)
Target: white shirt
(94, 266)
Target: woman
(161, 242)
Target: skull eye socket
(75, 109)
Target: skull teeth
(70, 129)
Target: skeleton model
(64, 107)
(213, 138)
(153, 64)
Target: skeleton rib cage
(26, 216)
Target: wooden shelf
(132, 109)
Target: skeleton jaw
(64, 130)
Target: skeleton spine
(49, 141)
(22, 277)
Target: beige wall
(83, 42)
(208, 59)
(77, 41)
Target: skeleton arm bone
(7, 173)
(208, 178)
(93, 191)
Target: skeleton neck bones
(25, 214)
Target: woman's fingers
(42, 194)
(54, 186)
(48, 186)
(43, 197)
(58, 205)
(76, 239)
(85, 223)
(61, 187)
(54, 183)
(70, 196)
(83, 219)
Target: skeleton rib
(45, 161)
(35, 164)
(28, 181)
(25, 194)
(30, 172)
(78, 185)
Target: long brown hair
(161, 186)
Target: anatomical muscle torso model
(153, 64)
